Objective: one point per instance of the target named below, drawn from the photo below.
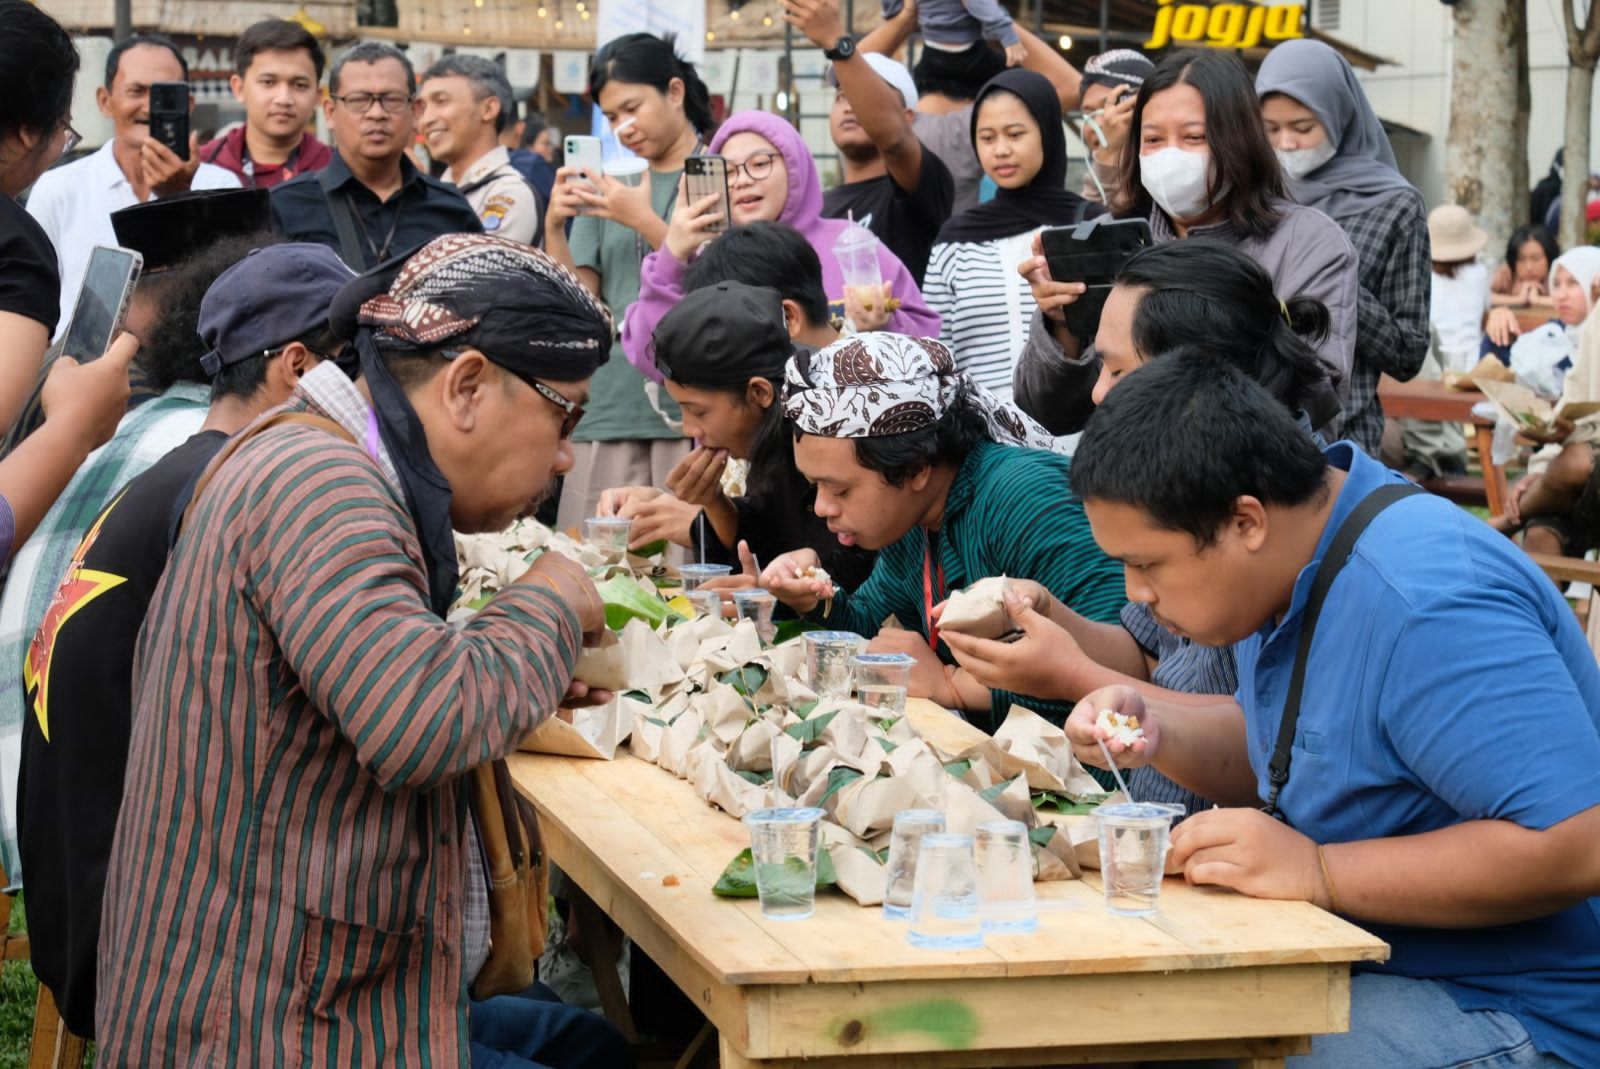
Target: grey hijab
(1364, 173)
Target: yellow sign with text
(1224, 25)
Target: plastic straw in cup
(1116, 775)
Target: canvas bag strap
(1333, 562)
(305, 418)
(344, 224)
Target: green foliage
(738, 880)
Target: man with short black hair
(277, 69)
(466, 103)
(73, 203)
(778, 256)
(1416, 702)
(370, 203)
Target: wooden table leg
(599, 943)
(1494, 476)
(697, 1047)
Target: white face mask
(1176, 180)
(1303, 161)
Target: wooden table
(1432, 401)
(1213, 975)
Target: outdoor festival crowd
(242, 748)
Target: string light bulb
(734, 14)
(1066, 42)
(711, 35)
(543, 14)
(766, 20)
(584, 15)
(558, 24)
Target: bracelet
(1327, 881)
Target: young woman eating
(971, 281)
(772, 177)
(1336, 158)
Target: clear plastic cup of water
(944, 901)
(1006, 901)
(609, 534)
(1134, 837)
(757, 606)
(694, 575)
(706, 602)
(783, 844)
(829, 656)
(882, 680)
(910, 825)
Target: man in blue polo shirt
(1444, 778)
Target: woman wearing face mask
(1211, 297)
(773, 177)
(661, 111)
(971, 281)
(1336, 158)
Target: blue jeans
(514, 1032)
(1400, 1023)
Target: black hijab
(1042, 202)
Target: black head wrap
(514, 304)
(723, 336)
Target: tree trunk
(1575, 187)
(1483, 117)
(1519, 133)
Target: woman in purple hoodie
(771, 176)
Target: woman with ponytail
(660, 111)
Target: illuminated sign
(1224, 25)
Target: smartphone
(169, 116)
(582, 150)
(107, 286)
(704, 176)
(1092, 253)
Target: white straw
(1122, 783)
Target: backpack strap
(307, 419)
(1333, 562)
(344, 223)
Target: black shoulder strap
(1333, 562)
(344, 223)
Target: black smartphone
(102, 302)
(705, 176)
(1092, 253)
(169, 116)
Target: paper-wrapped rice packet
(979, 610)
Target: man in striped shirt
(290, 868)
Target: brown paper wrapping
(979, 610)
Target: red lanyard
(927, 591)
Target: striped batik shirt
(984, 306)
(1012, 512)
(286, 884)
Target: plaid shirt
(145, 435)
(1396, 276)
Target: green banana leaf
(738, 880)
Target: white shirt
(1457, 310)
(74, 205)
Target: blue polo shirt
(1448, 681)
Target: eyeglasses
(757, 166)
(74, 139)
(572, 409)
(360, 103)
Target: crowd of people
(248, 766)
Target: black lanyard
(378, 254)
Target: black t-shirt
(907, 221)
(30, 281)
(79, 683)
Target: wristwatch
(843, 48)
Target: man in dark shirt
(892, 184)
(265, 322)
(371, 203)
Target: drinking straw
(1122, 783)
(701, 526)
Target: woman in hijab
(773, 177)
(950, 485)
(972, 280)
(1336, 158)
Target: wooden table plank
(1432, 401)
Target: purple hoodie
(661, 275)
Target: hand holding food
(1085, 731)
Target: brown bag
(519, 882)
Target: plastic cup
(910, 825)
(882, 680)
(783, 843)
(829, 654)
(694, 575)
(706, 602)
(609, 534)
(629, 170)
(1006, 901)
(944, 903)
(856, 251)
(1134, 837)
(757, 605)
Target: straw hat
(1453, 235)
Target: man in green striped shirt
(911, 458)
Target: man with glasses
(73, 203)
(371, 203)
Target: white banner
(660, 17)
(571, 73)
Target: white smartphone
(102, 302)
(582, 150)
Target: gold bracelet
(1327, 881)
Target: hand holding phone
(102, 302)
(584, 153)
(90, 400)
(169, 116)
(1091, 253)
(705, 176)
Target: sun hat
(1452, 235)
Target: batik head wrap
(877, 385)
